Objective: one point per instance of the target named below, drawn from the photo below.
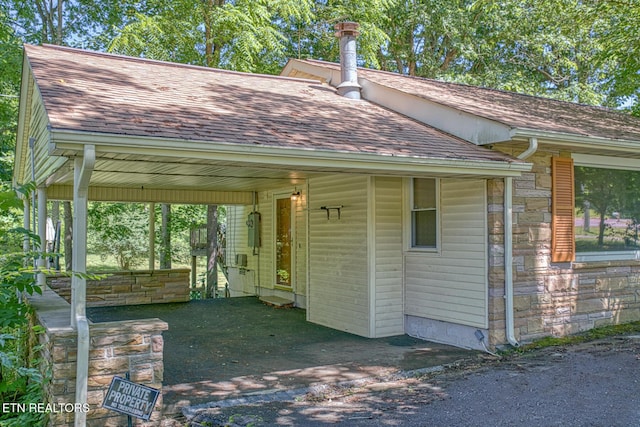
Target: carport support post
(83, 167)
(152, 236)
(42, 234)
(26, 224)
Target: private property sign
(130, 398)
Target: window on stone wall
(607, 210)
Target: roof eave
(26, 84)
(579, 141)
(64, 141)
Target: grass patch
(582, 337)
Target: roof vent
(347, 33)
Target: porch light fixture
(295, 195)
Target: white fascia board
(322, 73)
(580, 141)
(609, 162)
(26, 87)
(467, 126)
(65, 140)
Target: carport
(230, 347)
(98, 127)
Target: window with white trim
(424, 213)
(607, 204)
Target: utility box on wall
(253, 224)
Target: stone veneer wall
(550, 298)
(130, 287)
(133, 346)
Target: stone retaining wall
(130, 287)
(133, 346)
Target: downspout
(508, 247)
(508, 261)
(83, 167)
(533, 147)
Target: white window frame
(605, 162)
(408, 217)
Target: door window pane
(283, 242)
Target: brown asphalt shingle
(512, 109)
(97, 92)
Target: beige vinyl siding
(237, 241)
(338, 253)
(237, 235)
(450, 285)
(389, 307)
(265, 207)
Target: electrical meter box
(253, 225)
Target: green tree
(545, 48)
(183, 219)
(426, 37)
(607, 191)
(120, 230)
(620, 35)
(215, 33)
(10, 64)
(20, 378)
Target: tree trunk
(165, 245)
(68, 236)
(212, 250)
(602, 228)
(59, 27)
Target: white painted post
(42, 233)
(83, 167)
(26, 224)
(152, 236)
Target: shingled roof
(95, 92)
(515, 110)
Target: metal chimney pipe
(347, 33)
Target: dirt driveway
(591, 384)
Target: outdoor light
(295, 195)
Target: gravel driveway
(590, 384)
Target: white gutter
(508, 247)
(83, 167)
(577, 141)
(329, 161)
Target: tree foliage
(120, 230)
(583, 51)
(10, 64)
(607, 191)
(620, 36)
